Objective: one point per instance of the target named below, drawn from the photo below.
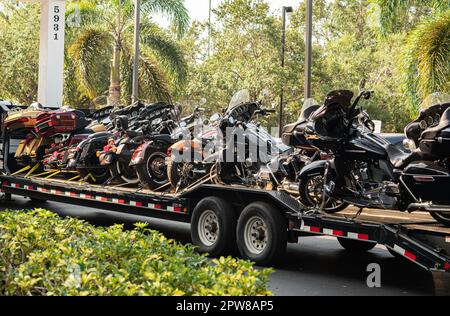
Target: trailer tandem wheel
(356, 245)
(262, 234)
(213, 227)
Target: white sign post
(51, 52)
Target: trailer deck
(416, 236)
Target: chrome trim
(407, 188)
(429, 207)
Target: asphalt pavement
(314, 266)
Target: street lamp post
(283, 49)
(308, 44)
(137, 26)
(209, 28)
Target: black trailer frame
(424, 243)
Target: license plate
(120, 148)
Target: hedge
(43, 254)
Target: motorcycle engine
(367, 182)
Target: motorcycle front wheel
(443, 218)
(311, 195)
(152, 172)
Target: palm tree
(100, 50)
(427, 52)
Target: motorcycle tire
(173, 172)
(124, 172)
(332, 207)
(100, 175)
(443, 218)
(151, 173)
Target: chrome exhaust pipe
(428, 207)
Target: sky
(198, 9)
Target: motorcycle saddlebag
(60, 122)
(438, 145)
(427, 181)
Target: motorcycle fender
(316, 168)
(183, 146)
(139, 154)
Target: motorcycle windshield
(309, 106)
(240, 97)
(434, 99)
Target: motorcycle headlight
(409, 144)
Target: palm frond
(391, 10)
(91, 52)
(175, 9)
(87, 10)
(153, 84)
(167, 52)
(126, 74)
(427, 62)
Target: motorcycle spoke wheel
(315, 195)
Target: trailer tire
(213, 227)
(356, 246)
(262, 234)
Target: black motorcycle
(83, 157)
(155, 122)
(368, 171)
(231, 150)
(305, 153)
(149, 159)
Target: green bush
(43, 254)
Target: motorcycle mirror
(362, 84)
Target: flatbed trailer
(257, 223)
(421, 241)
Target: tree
(106, 30)
(19, 51)
(426, 64)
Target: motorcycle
(84, 159)
(305, 153)
(67, 127)
(154, 122)
(149, 158)
(21, 124)
(217, 156)
(368, 171)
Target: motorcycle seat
(289, 129)
(163, 138)
(305, 115)
(133, 134)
